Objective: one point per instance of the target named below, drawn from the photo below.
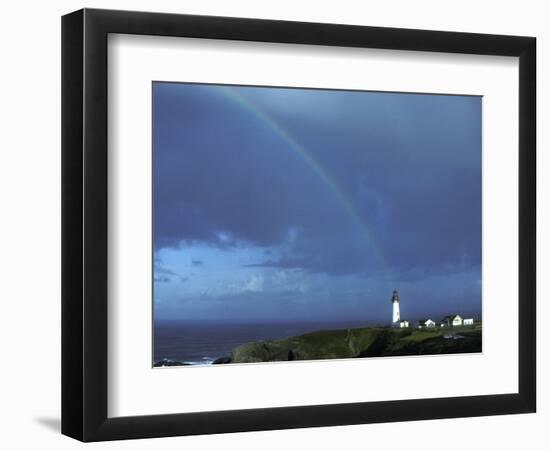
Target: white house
(455, 321)
(426, 323)
(404, 324)
(468, 322)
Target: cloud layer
(333, 183)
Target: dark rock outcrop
(222, 360)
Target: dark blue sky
(302, 204)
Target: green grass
(361, 342)
(422, 334)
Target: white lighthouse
(395, 303)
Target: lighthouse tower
(395, 303)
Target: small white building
(426, 323)
(403, 324)
(452, 321)
(468, 321)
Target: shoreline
(348, 343)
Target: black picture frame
(84, 224)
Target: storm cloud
(322, 181)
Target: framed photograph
(272, 224)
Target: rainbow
(233, 95)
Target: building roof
(451, 317)
(425, 320)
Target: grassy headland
(361, 343)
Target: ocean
(203, 342)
